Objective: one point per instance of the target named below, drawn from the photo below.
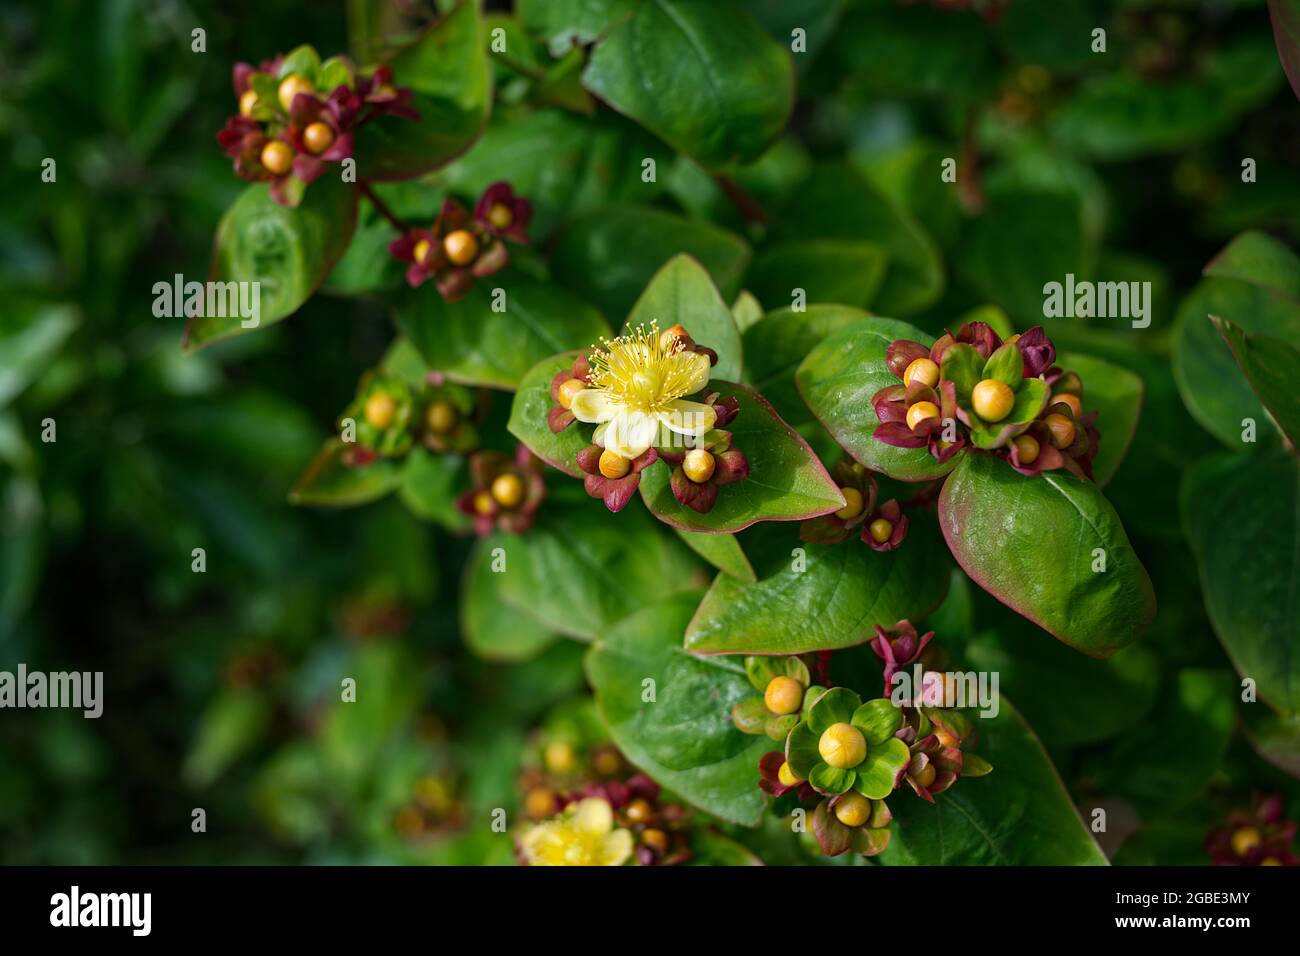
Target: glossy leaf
(683, 736)
(1033, 544)
(1241, 513)
(848, 272)
(779, 341)
(30, 338)
(528, 411)
(470, 342)
(493, 628)
(1272, 366)
(431, 483)
(288, 251)
(723, 551)
(681, 293)
(786, 482)
(1115, 394)
(838, 379)
(704, 77)
(328, 482)
(835, 600)
(1018, 815)
(564, 24)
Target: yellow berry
(842, 746)
(992, 400)
(421, 250)
(483, 503)
(920, 412)
(1069, 399)
(291, 86)
(922, 370)
(540, 804)
(784, 695)
(1270, 861)
(1027, 446)
(440, 417)
(639, 810)
(380, 410)
(787, 776)
(317, 137)
(277, 157)
(655, 839)
(699, 465)
(500, 215)
(508, 490)
(852, 504)
(1012, 338)
(247, 101)
(607, 762)
(461, 247)
(880, 530)
(558, 756)
(1062, 429)
(852, 809)
(613, 466)
(568, 390)
(926, 776)
(1244, 840)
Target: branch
(382, 209)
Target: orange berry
(699, 465)
(421, 250)
(461, 247)
(922, 370)
(992, 400)
(247, 101)
(880, 530)
(920, 412)
(568, 390)
(852, 504)
(380, 410)
(784, 695)
(1067, 398)
(500, 215)
(614, 466)
(440, 417)
(291, 86)
(852, 809)
(1027, 447)
(1061, 428)
(317, 137)
(508, 490)
(277, 157)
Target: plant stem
(381, 208)
(743, 201)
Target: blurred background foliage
(222, 687)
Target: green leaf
(288, 251)
(1018, 815)
(328, 482)
(786, 480)
(528, 411)
(877, 774)
(564, 24)
(837, 202)
(492, 628)
(844, 271)
(1033, 543)
(431, 483)
(681, 293)
(704, 77)
(964, 367)
(1005, 365)
(746, 310)
(878, 719)
(30, 338)
(1285, 15)
(838, 379)
(801, 751)
(777, 343)
(1115, 394)
(828, 779)
(233, 722)
(762, 670)
(566, 165)
(609, 256)
(580, 569)
(683, 737)
(1272, 366)
(1031, 399)
(710, 848)
(1242, 517)
(447, 67)
(852, 587)
(723, 551)
(836, 706)
(470, 342)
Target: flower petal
(628, 433)
(593, 405)
(688, 418)
(594, 815)
(698, 367)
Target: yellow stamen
(642, 372)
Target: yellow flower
(635, 395)
(583, 835)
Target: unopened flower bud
(784, 695)
(317, 137)
(613, 466)
(421, 250)
(992, 400)
(1069, 399)
(1062, 429)
(483, 503)
(1027, 448)
(639, 810)
(558, 756)
(540, 804)
(880, 530)
(925, 776)
(247, 101)
(277, 157)
(380, 410)
(291, 86)
(842, 746)
(655, 839)
(852, 809)
(500, 215)
(1245, 839)
(699, 465)
(568, 390)
(508, 490)
(922, 370)
(461, 247)
(920, 412)
(787, 776)
(440, 417)
(852, 504)
(669, 336)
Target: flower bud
(852, 504)
(1012, 338)
(500, 215)
(483, 503)
(842, 746)
(880, 530)
(247, 101)
(920, 412)
(277, 157)
(922, 370)
(508, 490)
(421, 250)
(992, 400)
(568, 390)
(852, 809)
(655, 839)
(925, 776)
(669, 336)
(639, 810)
(317, 137)
(291, 86)
(380, 410)
(540, 804)
(558, 756)
(787, 776)
(461, 247)
(1062, 429)
(1244, 840)
(784, 695)
(699, 465)
(440, 417)
(1027, 448)
(1070, 399)
(613, 466)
